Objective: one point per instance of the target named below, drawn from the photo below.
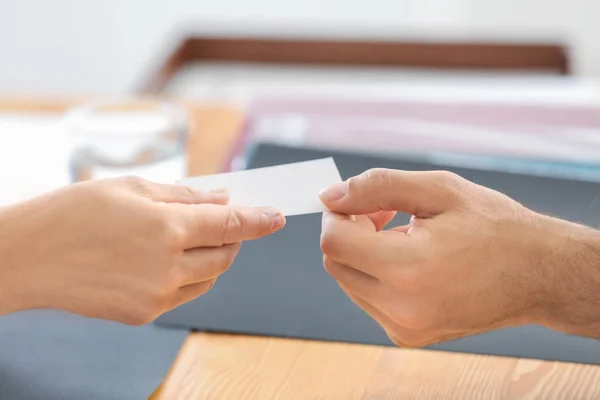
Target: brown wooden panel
(491, 56)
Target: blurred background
(493, 84)
(70, 47)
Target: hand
(471, 259)
(124, 249)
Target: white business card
(291, 188)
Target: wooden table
(211, 366)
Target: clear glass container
(144, 138)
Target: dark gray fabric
(278, 287)
(52, 355)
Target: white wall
(105, 46)
(576, 20)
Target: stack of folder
(547, 140)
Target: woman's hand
(124, 249)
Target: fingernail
(335, 192)
(275, 215)
(219, 191)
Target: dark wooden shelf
(482, 56)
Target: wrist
(570, 277)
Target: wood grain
(211, 366)
(240, 367)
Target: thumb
(422, 194)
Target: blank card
(291, 188)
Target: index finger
(422, 194)
(212, 225)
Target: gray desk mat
(53, 355)
(278, 287)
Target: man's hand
(122, 249)
(471, 259)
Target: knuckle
(177, 237)
(380, 183)
(136, 183)
(234, 221)
(167, 231)
(378, 177)
(331, 240)
(377, 174)
(189, 195)
(188, 191)
(450, 181)
(445, 177)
